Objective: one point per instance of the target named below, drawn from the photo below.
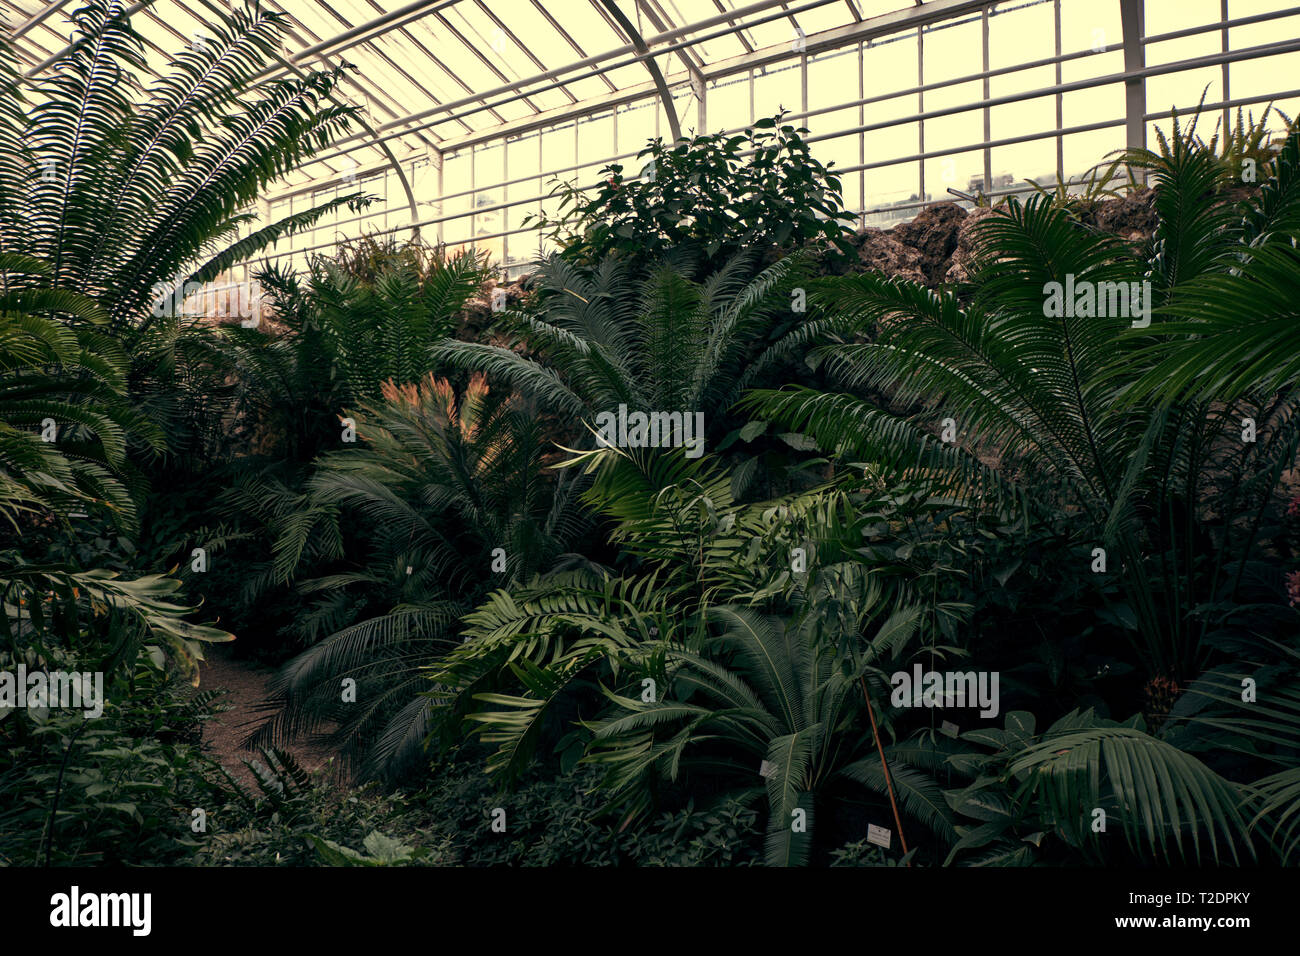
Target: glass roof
(434, 71)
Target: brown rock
(882, 252)
(478, 314)
(1132, 217)
(933, 233)
(959, 265)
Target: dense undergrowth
(541, 634)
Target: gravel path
(245, 685)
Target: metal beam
(568, 38)
(367, 31)
(397, 166)
(594, 62)
(56, 57)
(1132, 18)
(665, 96)
(37, 19)
(882, 25)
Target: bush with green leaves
(116, 790)
(748, 652)
(556, 820)
(292, 817)
(722, 194)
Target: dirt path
(245, 685)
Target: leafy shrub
(296, 818)
(115, 790)
(559, 821)
(723, 194)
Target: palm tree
(65, 425)
(352, 322)
(804, 571)
(1031, 795)
(64, 417)
(1047, 398)
(1232, 330)
(764, 707)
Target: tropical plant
(657, 341)
(1067, 788)
(1035, 391)
(353, 321)
(765, 707)
(365, 315)
(105, 791)
(759, 188)
(450, 493)
(67, 382)
(840, 580)
(65, 421)
(133, 193)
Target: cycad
(348, 330)
(1038, 394)
(659, 341)
(65, 424)
(765, 706)
(1232, 330)
(131, 192)
(1083, 778)
(697, 563)
(65, 421)
(439, 482)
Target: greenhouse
(650, 433)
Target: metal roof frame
(428, 85)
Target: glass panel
(777, 87)
(595, 144)
(637, 125)
(1088, 25)
(1264, 76)
(728, 103)
(558, 151)
(1083, 151)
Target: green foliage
(131, 191)
(439, 482)
(759, 188)
(115, 790)
(1070, 786)
(1052, 399)
(653, 340)
(295, 818)
(365, 316)
(65, 421)
(557, 821)
(361, 317)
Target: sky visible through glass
(438, 87)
